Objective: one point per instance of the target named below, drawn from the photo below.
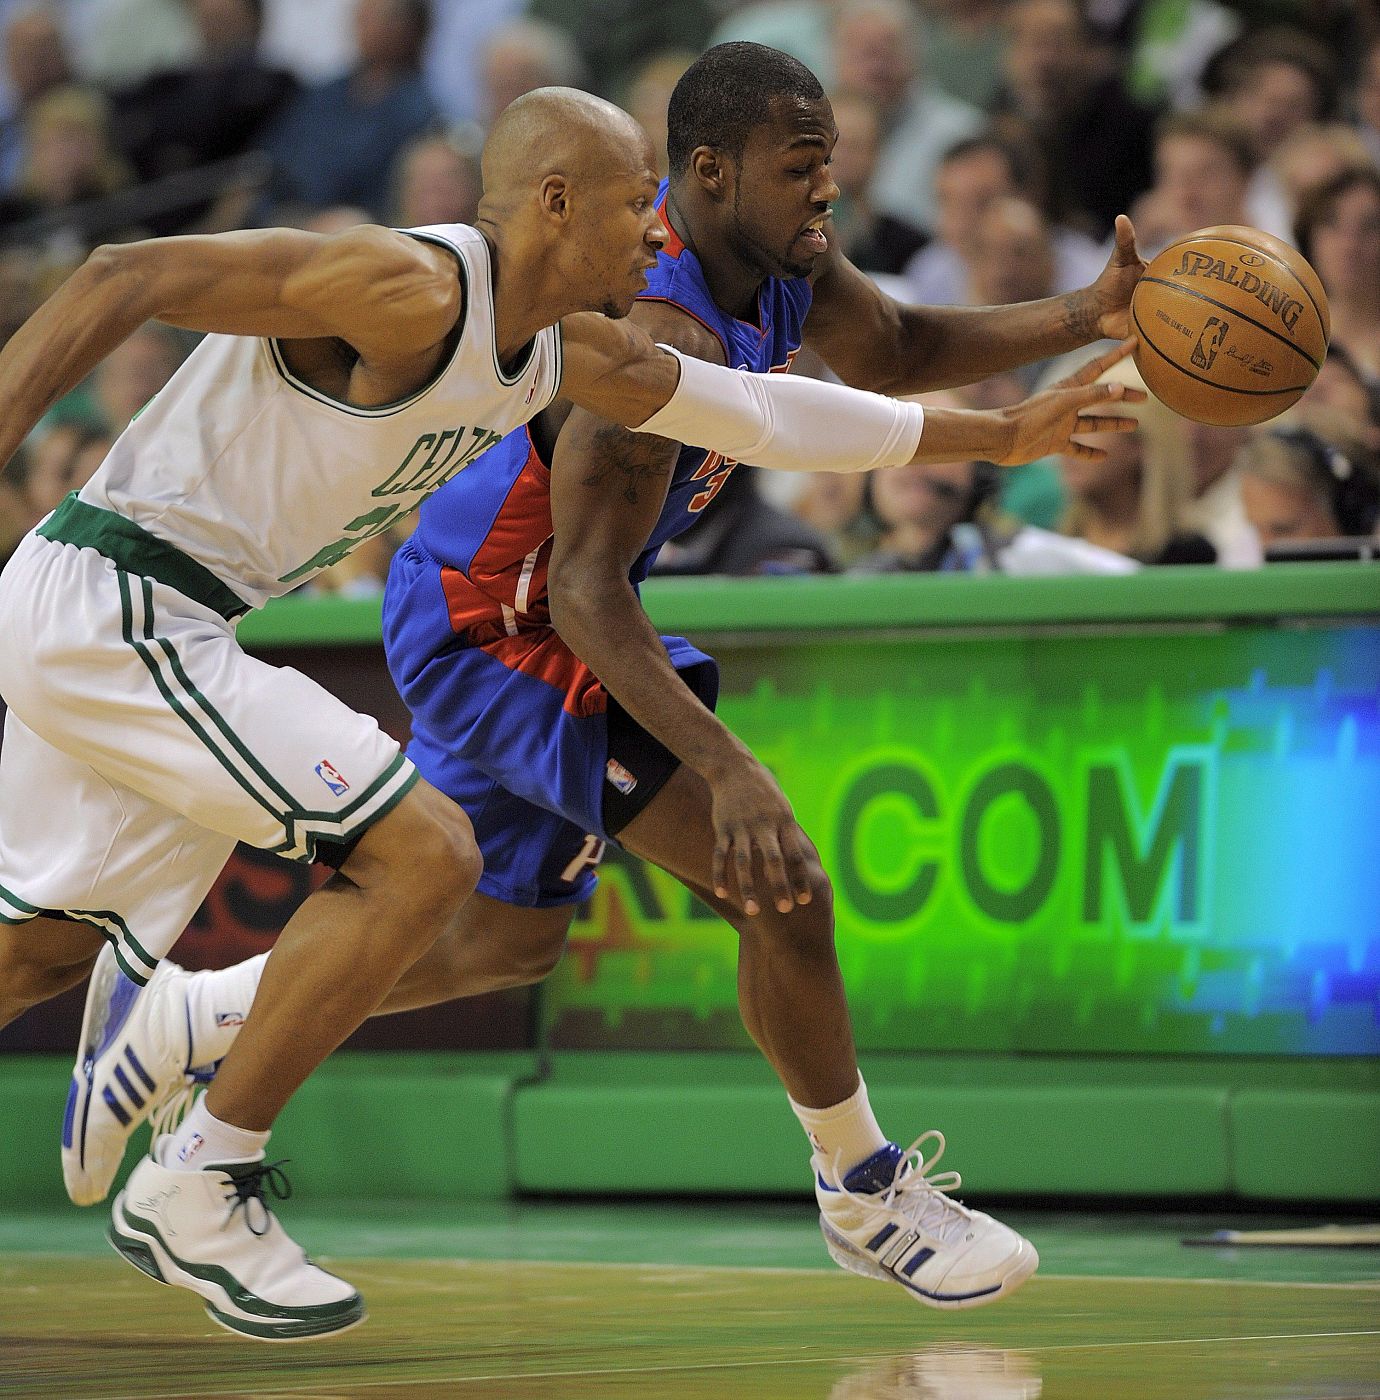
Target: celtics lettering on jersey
(431, 462)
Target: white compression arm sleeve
(786, 421)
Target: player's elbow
(577, 593)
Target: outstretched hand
(1045, 424)
(756, 838)
(1111, 292)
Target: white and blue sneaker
(133, 1061)
(212, 1232)
(886, 1219)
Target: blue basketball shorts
(521, 734)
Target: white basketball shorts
(142, 742)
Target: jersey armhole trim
(385, 410)
(681, 306)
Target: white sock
(217, 1003)
(848, 1131)
(203, 1140)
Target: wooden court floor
(1174, 1324)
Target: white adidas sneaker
(132, 1060)
(211, 1231)
(886, 1219)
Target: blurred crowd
(985, 147)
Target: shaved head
(559, 131)
(569, 186)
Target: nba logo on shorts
(620, 777)
(326, 772)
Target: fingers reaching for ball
(1091, 371)
(1096, 423)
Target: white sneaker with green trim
(211, 1231)
(886, 1219)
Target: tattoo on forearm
(1079, 317)
(620, 458)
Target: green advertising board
(1103, 838)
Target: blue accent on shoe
(880, 1238)
(115, 1106)
(134, 1096)
(122, 1001)
(139, 1069)
(69, 1115)
(915, 1260)
(875, 1174)
(824, 1185)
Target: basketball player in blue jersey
(546, 705)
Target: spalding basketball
(1232, 325)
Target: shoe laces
(247, 1185)
(168, 1113)
(915, 1195)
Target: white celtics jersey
(265, 481)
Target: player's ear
(707, 167)
(553, 195)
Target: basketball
(1232, 325)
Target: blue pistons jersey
(505, 716)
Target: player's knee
(31, 973)
(436, 859)
(807, 926)
(536, 960)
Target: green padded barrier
(718, 1123)
(1307, 1144)
(33, 1092)
(400, 1125)
(919, 600)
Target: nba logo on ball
(1232, 325)
(326, 772)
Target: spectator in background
(120, 42)
(917, 509)
(526, 54)
(335, 144)
(1136, 500)
(1312, 156)
(1338, 231)
(20, 293)
(70, 166)
(1215, 510)
(435, 181)
(616, 37)
(972, 175)
(877, 53)
(59, 459)
(1367, 100)
(835, 505)
(1011, 258)
(963, 43)
(649, 95)
(1063, 93)
(1203, 167)
(744, 535)
(1340, 393)
(460, 27)
(802, 28)
(36, 62)
(1274, 83)
(215, 107)
(873, 241)
(1166, 44)
(134, 372)
(1298, 485)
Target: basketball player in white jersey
(340, 381)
